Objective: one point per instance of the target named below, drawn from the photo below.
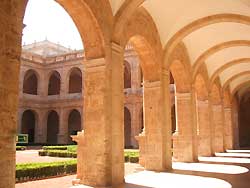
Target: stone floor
(31, 156)
(225, 170)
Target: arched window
(127, 128)
(75, 81)
(52, 127)
(127, 75)
(30, 83)
(54, 84)
(29, 124)
(74, 124)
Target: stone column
(228, 128)
(62, 136)
(64, 84)
(166, 112)
(117, 113)
(155, 129)
(235, 119)
(217, 126)
(41, 127)
(135, 73)
(184, 139)
(204, 132)
(135, 123)
(102, 152)
(19, 124)
(11, 15)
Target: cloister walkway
(225, 170)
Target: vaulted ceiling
(215, 32)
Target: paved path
(229, 171)
(31, 156)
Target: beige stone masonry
(204, 136)
(155, 129)
(116, 67)
(184, 139)
(97, 156)
(228, 128)
(217, 120)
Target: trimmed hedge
(54, 148)
(20, 148)
(57, 153)
(129, 155)
(32, 171)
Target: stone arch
(93, 25)
(180, 69)
(74, 124)
(29, 123)
(31, 82)
(146, 42)
(227, 65)
(215, 93)
(75, 80)
(239, 86)
(127, 75)
(54, 84)
(202, 112)
(201, 87)
(123, 16)
(127, 128)
(217, 119)
(52, 127)
(213, 50)
(197, 24)
(234, 77)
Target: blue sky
(47, 19)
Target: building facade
(51, 100)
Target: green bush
(72, 148)
(42, 153)
(126, 158)
(70, 152)
(131, 156)
(57, 153)
(134, 159)
(54, 148)
(31, 171)
(20, 148)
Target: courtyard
(155, 93)
(225, 170)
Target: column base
(204, 146)
(183, 149)
(142, 150)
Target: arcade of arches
(61, 75)
(201, 56)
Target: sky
(46, 19)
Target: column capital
(116, 48)
(151, 85)
(227, 109)
(203, 102)
(95, 65)
(165, 72)
(183, 95)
